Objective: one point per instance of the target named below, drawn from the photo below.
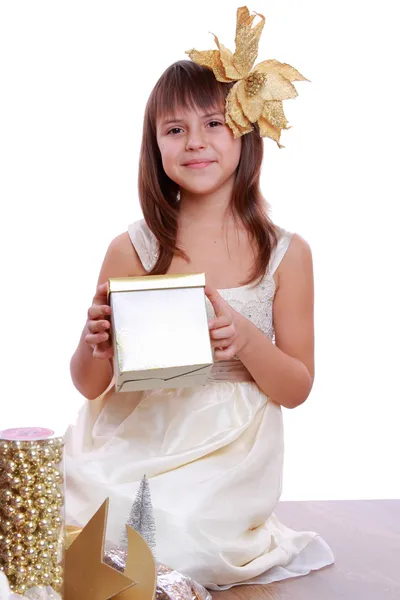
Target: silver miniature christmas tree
(141, 517)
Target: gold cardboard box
(160, 332)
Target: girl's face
(198, 151)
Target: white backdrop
(74, 79)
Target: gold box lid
(156, 282)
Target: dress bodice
(255, 302)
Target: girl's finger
(101, 293)
(98, 353)
(98, 326)
(223, 332)
(99, 311)
(226, 354)
(219, 304)
(222, 321)
(221, 344)
(92, 339)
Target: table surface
(365, 539)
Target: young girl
(213, 454)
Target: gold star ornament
(257, 95)
(87, 577)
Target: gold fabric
(258, 94)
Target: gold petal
(252, 106)
(276, 87)
(269, 130)
(246, 40)
(212, 60)
(274, 66)
(235, 129)
(273, 112)
(226, 56)
(235, 112)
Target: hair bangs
(185, 85)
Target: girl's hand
(98, 325)
(228, 329)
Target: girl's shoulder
(144, 242)
(292, 256)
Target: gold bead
(52, 490)
(50, 479)
(48, 534)
(48, 453)
(20, 589)
(46, 577)
(30, 527)
(25, 491)
(34, 455)
(17, 501)
(26, 469)
(6, 525)
(57, 522)
(18, 550)
(20, 456)
(41, 544)
(44, 524)
(32, 513)
(44, 556)
(28, 479)
(58, 476)
(6, 495)
(38, 490)
(4, 448)
(46, 513)
(20, 561)
(30, 553)
(9, 569)
(59, 499)
(30, 540)
(41, 502)
(19, 519)
(8, 556)
(32, 581)
(15, 482)
(58, 570)
(57, 583)
(10, 466)
(8, 510)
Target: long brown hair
(187, 85)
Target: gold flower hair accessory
(258, 92)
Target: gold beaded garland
(31, 514)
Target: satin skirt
(214, 458)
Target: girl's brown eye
(174, 130)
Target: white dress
(213, 456)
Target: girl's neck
(213, 207)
